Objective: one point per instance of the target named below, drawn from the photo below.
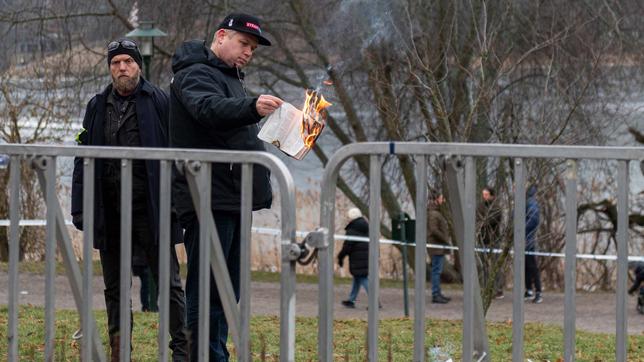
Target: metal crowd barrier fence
(196, 167)
(461, 180)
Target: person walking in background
(638, 269)
(532, 274)
(129, 112)
(438, 234)
(489, 216)
(358, 253)
(210, 109)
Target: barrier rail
(197, 164)
(302, 233)
(461, 182)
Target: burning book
(295, 131)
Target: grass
(543, 343)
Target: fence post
(14, 255)
(519, 261)
(622, 259)
(49, 164)
(126, 258)
(570, 283)
(421, 259)
(88, 246)
(456, 187)
(375, 168)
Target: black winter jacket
(152, 116)
(358, 251)
(209, 109)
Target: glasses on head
(127, 44)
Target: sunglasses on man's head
(127, 44)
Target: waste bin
(403, 228)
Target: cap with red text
(246, 24)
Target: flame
(313, 118)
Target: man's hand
(267, 104)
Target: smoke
(354, 26)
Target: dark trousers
(532, 274)
(358, 281)
(228, 229)
(148, 288)
(110, 262)
(488, 262)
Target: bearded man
(130, 112)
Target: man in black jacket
(130, 112)
(209, 108)
(358, 253)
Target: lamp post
(146, 32)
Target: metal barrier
(461, 180)
(197, 170)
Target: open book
(285, 129)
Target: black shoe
(348, 304)
(439, 299)
(446, 298)
(528, 294)
(537, 298)
(499, 295)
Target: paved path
(595, 311)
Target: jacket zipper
(241, 81)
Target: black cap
(124, 46)
(246, 24)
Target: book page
(283, 129)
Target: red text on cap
(253, 26)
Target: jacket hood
(196, 52)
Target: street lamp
(146, 32)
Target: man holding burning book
(209, 108)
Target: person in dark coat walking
(638, 283)
(532, 274)
(489, 217)
(130, 112)
(438, 230)
(358, 253)
(209, 108)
